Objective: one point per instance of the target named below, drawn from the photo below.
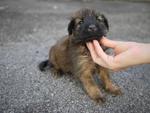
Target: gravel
(28, 28)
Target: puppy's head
(87, 25)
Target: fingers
(100, 57)
(94, 55)
(91, 49)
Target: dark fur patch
(87, 25)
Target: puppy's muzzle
(92, 28)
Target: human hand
(126, 53)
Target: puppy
(70, 54)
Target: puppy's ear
(105, 21)
(71, 26)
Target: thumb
(108, 43)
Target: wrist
(145, 54)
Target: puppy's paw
(113, 89)
(56, 73)
(96, 95)
(99, 99)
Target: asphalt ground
(28, 28)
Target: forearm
(137, 54)
(145, 53)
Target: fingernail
(95, 41)
(87, 44)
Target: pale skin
(126, 54)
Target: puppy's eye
(100, 18)
(80, 22)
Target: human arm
(126, 53)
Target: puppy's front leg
(109, 86)
(91, 87)
(84, 68)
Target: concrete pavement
(28, 28)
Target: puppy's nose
(92, 28)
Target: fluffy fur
(70, 54)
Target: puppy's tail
(44, 65)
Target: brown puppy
(70, 54)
